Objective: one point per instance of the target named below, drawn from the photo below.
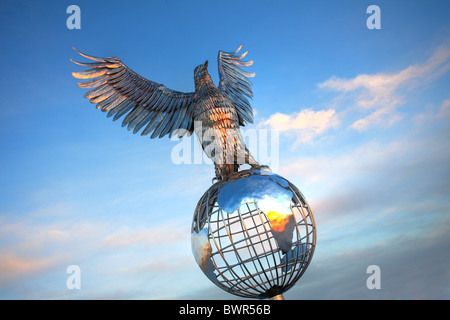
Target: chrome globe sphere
(253, 234)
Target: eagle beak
(206, 64)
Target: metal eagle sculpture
(214, 112)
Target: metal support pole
(277, 297)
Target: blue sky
(363, 122)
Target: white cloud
(33, 249)
(13, 266)
(306, 125)
(382, 93)
(169, 233)
(395, 176)
(444, 110)
(376, 96)
(405, 273)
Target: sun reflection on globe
(253, 234)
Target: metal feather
(124, 110)
(139, 116)
(104, 96)
(91, 73)
(111, 102)
(90, 64)
(144, 121)
(153, 122)
(131, 115)
(97, 91)
(92, 83)
(116, 95)
(161, 125)
(90, 57)
(118, 108)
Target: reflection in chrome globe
(253, 234)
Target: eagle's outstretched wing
(234, 83)
(118, 90)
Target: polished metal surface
(214, 113)
(253, 234)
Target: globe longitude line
(253, 247)
(271, 269)
(310, 232)
(250, 275)
(297, 242)
(258, 272)
(273, 250)
(262, 242)
(299, 236)
(241, 265)
(223, 248)
(221, 254)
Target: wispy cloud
(13, 266)
(412, 267)
(169, 233)
(381, 94)
(374, 170)
(32, 247)
(381, 203)
(444, 110)
(374, 96)
(306, 125)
